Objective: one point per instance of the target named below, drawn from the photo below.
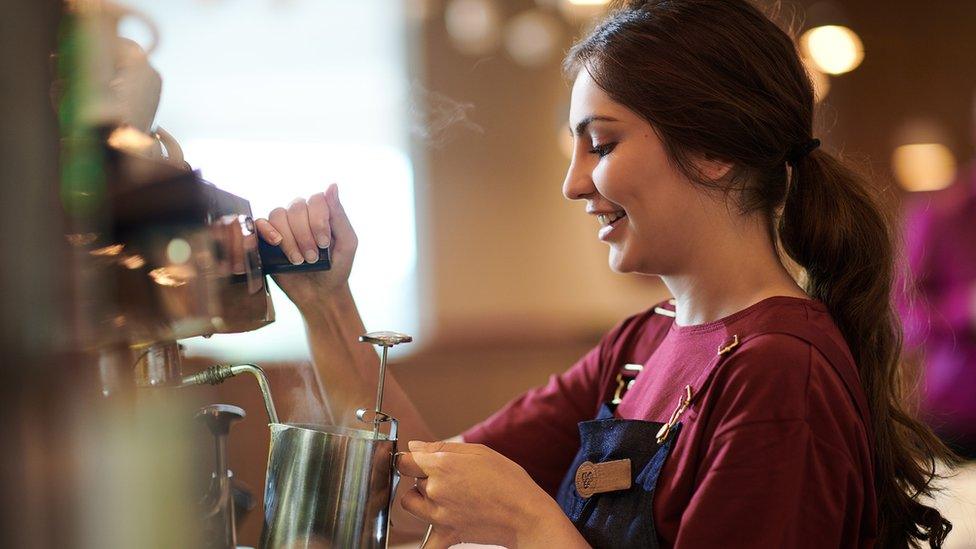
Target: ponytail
(838, 231)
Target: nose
(578, 184)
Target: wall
(501, 250)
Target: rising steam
(433, 114)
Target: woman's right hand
(302, 228)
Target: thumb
(345, 235)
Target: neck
(728, 275)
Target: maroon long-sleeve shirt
(773, 453)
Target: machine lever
(274, 260)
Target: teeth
(606, 219)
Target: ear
(712, 168)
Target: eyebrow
(582, 124)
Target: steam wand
(222, 372)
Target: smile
(607, 219)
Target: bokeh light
(832, 48)
(582, 10)
(473, 25)
(923, 166)
(532, 37)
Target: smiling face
(620, 168)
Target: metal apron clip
(624, 384)
(665, 430)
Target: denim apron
(620, 518)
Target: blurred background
(445, 124)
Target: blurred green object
(82, 154)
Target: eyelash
(603, 150)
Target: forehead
(589, 99)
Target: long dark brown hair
(717, 79)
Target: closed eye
(603, 150)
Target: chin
(619, 262)
(623, 260)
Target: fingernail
(296, 259)
(416, 445)
(275, 237)
(311, 256)
(322, 240)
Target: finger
(267, 231)
(432, 463)
(417, 505)
(342, 231)
(444, 446)
(298, 220)
(279, 218)
(318, 219)
(409, 467)
(421, 486)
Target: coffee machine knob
(218, 417)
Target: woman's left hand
(470, 493)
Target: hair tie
(801, 151)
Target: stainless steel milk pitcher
(328, 487)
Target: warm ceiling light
(923, 166)
(833, 49)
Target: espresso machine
(159, 254)
(187, 262)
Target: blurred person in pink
(939, 310)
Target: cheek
(619, 181)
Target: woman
(766, 414)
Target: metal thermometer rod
(379, 391)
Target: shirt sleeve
(771, 473)
(538, 430)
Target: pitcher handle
(395, 481)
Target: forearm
(349, 369)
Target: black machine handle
(274, 260)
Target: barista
(764, 413)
